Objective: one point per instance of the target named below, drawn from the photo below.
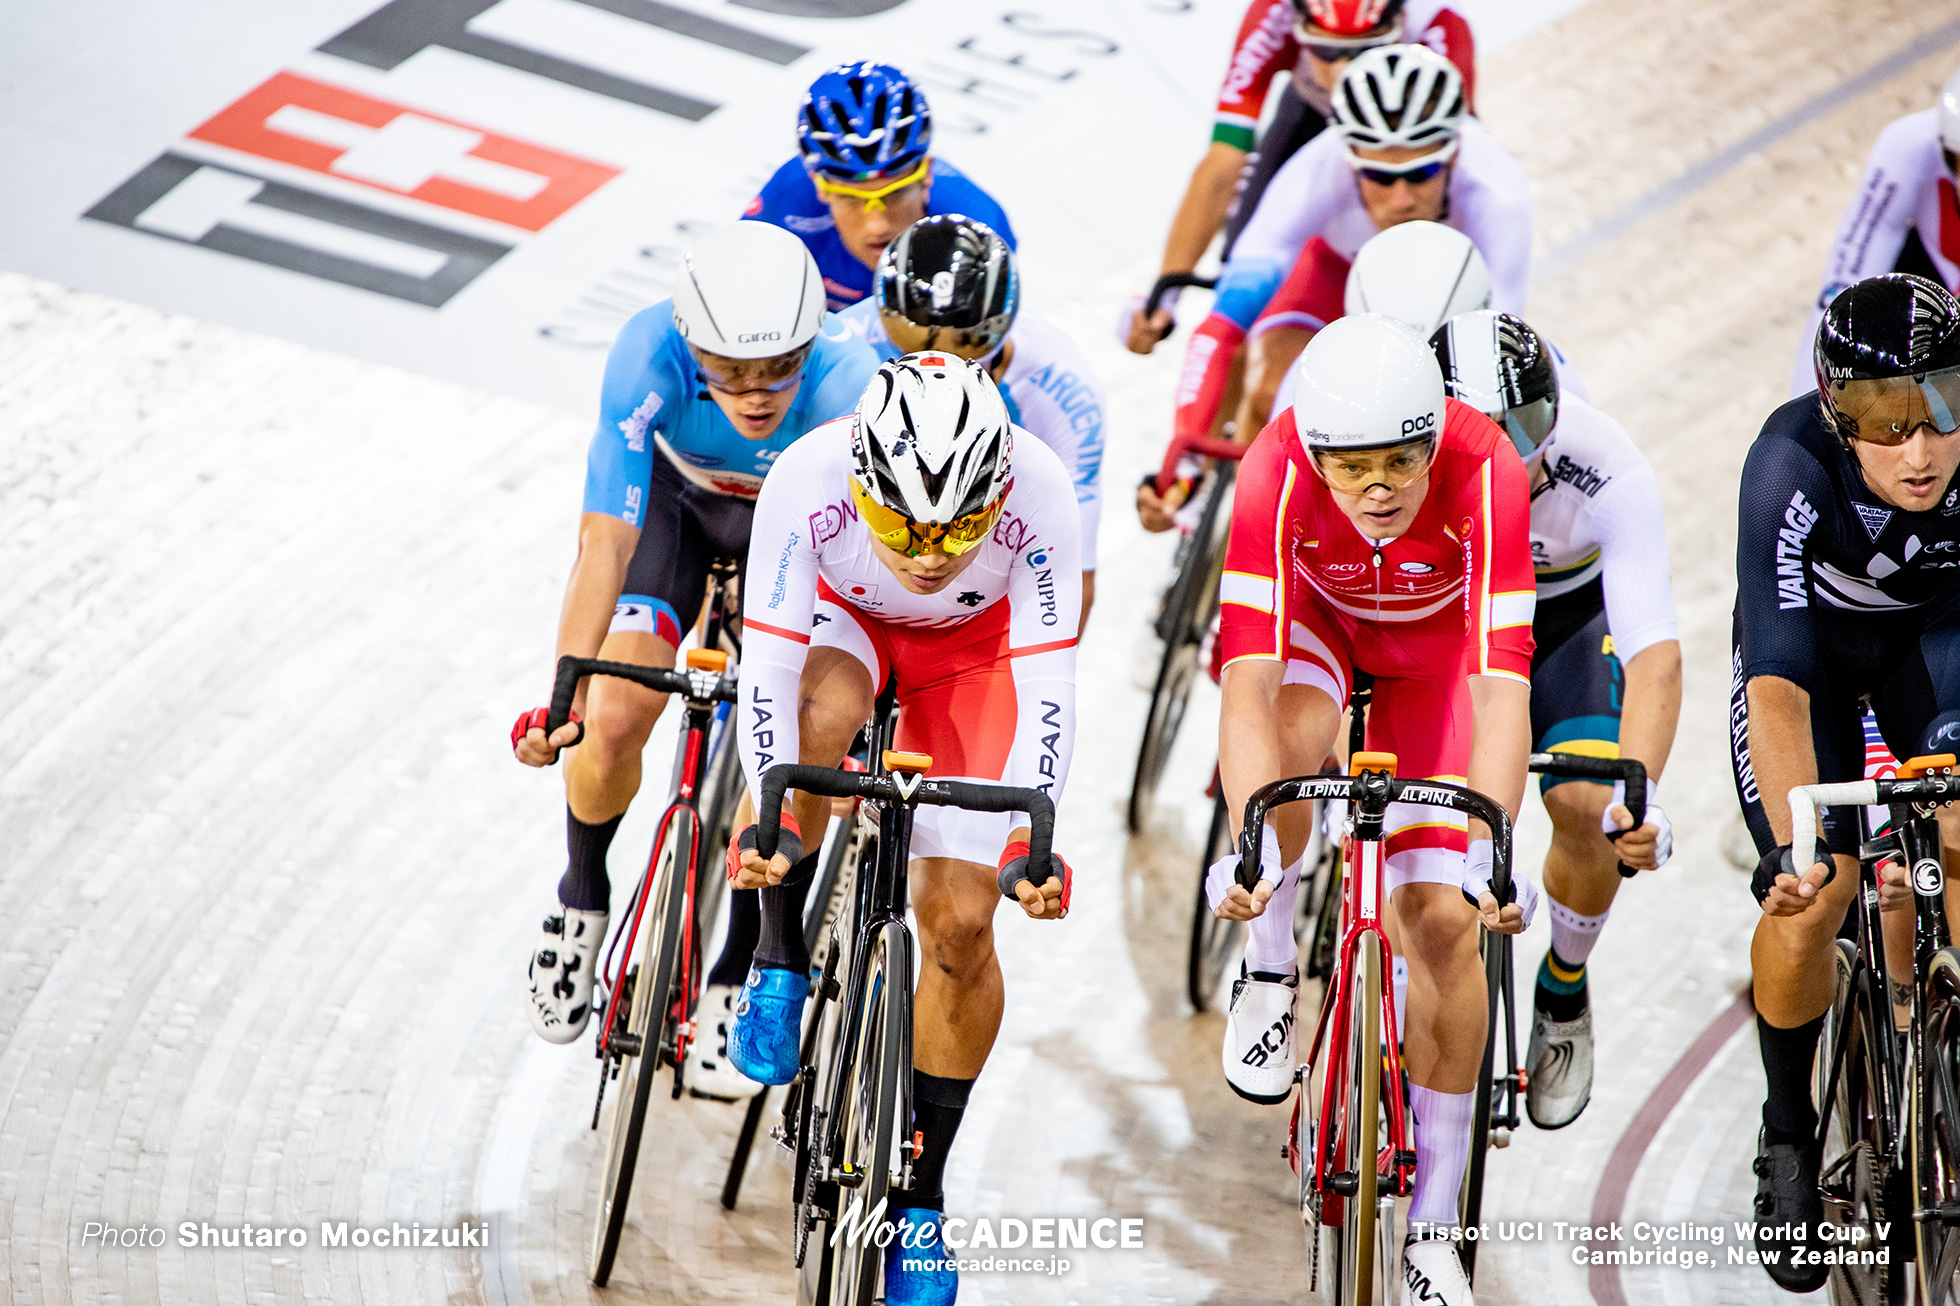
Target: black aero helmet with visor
(1888, 359)
(1502, 368)
(948, 282)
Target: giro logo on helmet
(755, 337)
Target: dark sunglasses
(1414, 176)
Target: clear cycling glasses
(1356, 471)
(748, 376)
(901, 534)
(872, 198)
(1890, 411)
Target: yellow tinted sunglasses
(873, 199)
(901, 534)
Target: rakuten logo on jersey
(1798, 520)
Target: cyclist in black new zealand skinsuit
(1848, 571)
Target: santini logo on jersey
(1798, 519)
(1585, 480)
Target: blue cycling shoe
(768, 1024)
(919, 1270)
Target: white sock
(1573, 935)
(1270, 945)
(1400, 974)
(1442, 1126)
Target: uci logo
(1927, 881)
(1411, 425)
(753, 337)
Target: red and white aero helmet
(1378, 20)
(1399, 96)
(1950, 113)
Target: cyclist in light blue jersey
(864, 173)
(948, 283)
(701, 394)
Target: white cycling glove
(1224, 872)
(1664, 847)
(1476, 880)
(1126, 316)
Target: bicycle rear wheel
(868, 1123)
(1933, 1134)
(1214, 941)
(1470, 1202)
(1855, 1147)
(636, 1041)
(1188, 611)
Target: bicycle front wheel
(637, 1038)
(1358, 1139)
(1214, 941)
(869, 1127)
(1933, 1134)
(1856, 1151)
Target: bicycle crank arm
(1943, 1213)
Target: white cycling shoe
(1432, 1272)
(709, 1071)
(1558, 1069)
(1258, 1050)
(562, 965)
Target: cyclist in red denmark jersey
(929, 541)
(1381, 527)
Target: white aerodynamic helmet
(1365, 383)
(932, 444)
(1421, 273)
(1399, 95)
(748, 290)
(1950, 113)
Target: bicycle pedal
(1345, 1182)
(781, 1137)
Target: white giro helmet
(1950, 113)
(1421, 273)
(932, 440)
(748, 290)
(1399, 96)
(1365, 383)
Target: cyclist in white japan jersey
(949, 283)
(1904, 218)
(1606, 665)
(928, 541)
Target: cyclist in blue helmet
(865, 172)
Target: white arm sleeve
(1633, 562)
(1044, 589)
(779, 600)
(1298, 202)
(1498, 220)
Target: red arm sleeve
(1253, 592)
(1263, 49)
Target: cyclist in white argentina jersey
(949, 283)
(1606, 670)
(930, 543)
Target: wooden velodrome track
(267, 872)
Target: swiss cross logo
(437, 160)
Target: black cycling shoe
(1788, 1210)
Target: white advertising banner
(484, 190)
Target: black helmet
(1888, 359)
(952, 280)
(1500, 367)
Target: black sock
(586, 886)
(744, 929)
(937, 1105)
(1788, 1114)
(1561, 987)
(781, 946)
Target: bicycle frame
(1369, 791)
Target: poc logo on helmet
(752, 337)
(1412, 425)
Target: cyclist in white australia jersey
(1904, 218)
(926, 542)
(949, 283)
(1606, 671)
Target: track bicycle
(1888, 1099)
(652, 973)
(850, 1131)
(1352, 1149)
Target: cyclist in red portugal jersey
(1381, 527)
(929, 541)
(1308, 44)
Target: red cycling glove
(538, 718)
(1014, 869)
